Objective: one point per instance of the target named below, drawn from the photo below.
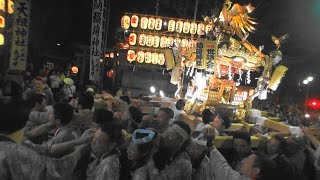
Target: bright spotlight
(307, 115)
(152, 89)
(161, 93)
(310, 78)
(165, 23)
(305, 81)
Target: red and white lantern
(133, 39)
(134, 21)
(131, 56)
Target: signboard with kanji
(96, 50)
(19, 50)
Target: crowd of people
(66, 137)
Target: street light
(305, 81)
(161, 93)
(152, 89)
(310, 78)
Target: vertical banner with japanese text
(19, 50)
(97, 30)
(209, 52)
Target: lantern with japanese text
(140, 57)
(142, 39)
(163, 42)
(186, 27)
(208, 28)
(170, 41)
(171, 25)
(131, 56)
(162, 59)
(149, 41)
(10, 7)
(144, 23)
(2, 22)
(134, 21)
(1, 39)
(147, 57)
(201, 29)
(156, 41)
(151, 23)
(158, 25)
(193, 28)
(125, 22)
(179, 26)
(132, 39)
(184, 43)
(2, 6)
(154, 58)
(177, 40)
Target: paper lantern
(201, 29)
(134, 21)
(140, 57)
(132, 39)
(208, 28)
(163, 42)
(2, 6)
(170, 63)
(162, 59)
(74, 69)
(154, 58)
(147, 57)
(131, 56)
(142, 39)
(2, 22)
(149, 41)
(193, 28)
(179, 26)
(10, 7)
(170, 41)
(112, 55)
(184, 43)
(1, 39)
(171, 25)
(156, 41)
(144, 23)
(186, 27)
(158, 25)
(177, 40)
(151, 23)
(125, 22)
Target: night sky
(69, 21)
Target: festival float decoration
(215, 53)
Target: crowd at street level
(66, 137)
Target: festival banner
(97, 30)
(19, 50)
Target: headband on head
(181, 132)
(200, 140)
(145, 139)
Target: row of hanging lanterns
(146, 57)
(157, 41)
(152, 23)
(9, 9)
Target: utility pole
(157, 7)
(195, 10)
